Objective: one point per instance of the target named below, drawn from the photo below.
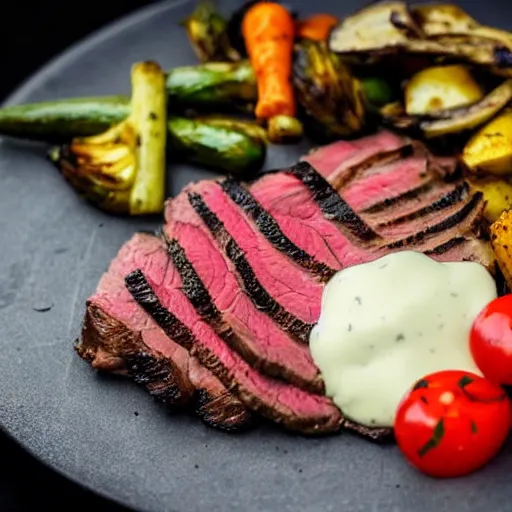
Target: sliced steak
(306, 215)
(293, 289)
(273, 232)
(328, 159)
(119, 336)
(283, 403)
(210, 282)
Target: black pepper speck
(400, 337)
(349, 329)
(358, 300)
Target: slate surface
(54, 249)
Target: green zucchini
(216, 146)
(56, 121)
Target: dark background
(30, 34)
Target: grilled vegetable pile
(267, 75)
(454, 77)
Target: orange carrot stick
(316, 27)
(269, 32)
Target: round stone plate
(107, 433)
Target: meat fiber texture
(245, 264)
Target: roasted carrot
(316, 27)
(269, 32)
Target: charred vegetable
(450, 21)
(232, 147)
(389, 28)
(284, 129)
(58, 121)
(213, 85)
(123, 169)
(490, 149)
(501, 241)
(450, 121)
(440, 88)
(207, 32)
(269, 31)
(497, 194)
(251, 128)
(331, 98)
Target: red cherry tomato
(491, 340)
(452, 423)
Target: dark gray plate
(53, 251)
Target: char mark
(141, 291)
(333, 206)
(347, 176)
(441, 249)
(260, 297)
(102, 332)
(444, 225)
(200, 298)
(406, 196)
(271, 230)
(222, 412)
(453, 197)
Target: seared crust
(109, 345)
(328, 421)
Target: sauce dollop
(385, 324)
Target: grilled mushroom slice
(444, 31)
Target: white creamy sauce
(385, 324)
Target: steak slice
(119, 336)
(283, 403)
(293, 289)
(328, 159)
(273, 232)
(210, 283)
(305, 216)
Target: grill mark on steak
(453, 197)
(222, 412)
(406, 196)
(174, 328)
(270, 229)
(441, 249)
(332, 205)
(200, 298)
(108, 350)
(280, 402)
(105, 336)
(346, 176)
(261, 298)
(444, 225)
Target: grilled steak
(425, 214)
(283, 403)
(119, 336)
(245, 325)
(239, 283)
